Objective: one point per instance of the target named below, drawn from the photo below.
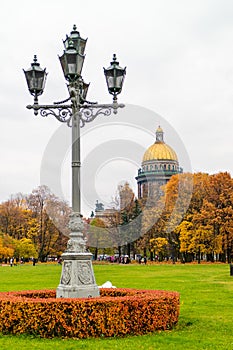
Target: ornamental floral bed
(117, 312)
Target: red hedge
(117, 312)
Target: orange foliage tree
(207, 228)
(40, 219)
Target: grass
(206, 313)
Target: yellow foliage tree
(159, 246)
(25, 248)
(6, 247)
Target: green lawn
(206, 312)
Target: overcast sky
(179, 58)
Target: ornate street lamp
(114, 77)
(72, 63)
(35, 77)
(77, 278)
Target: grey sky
(179, 58)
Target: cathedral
(159, 163)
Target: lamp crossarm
(87, 112)
(63, 113)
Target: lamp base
(77, 278)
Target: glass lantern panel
(71, 68)
(80, 61)
(29, 78)
(119, 81)
(40, 83)
(110, 82)
(35, 80)
(63, 63)
(82, 45)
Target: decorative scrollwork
(87, 113)
(61, 113)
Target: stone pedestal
(77, 278)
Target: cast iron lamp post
(77, 278)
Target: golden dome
(159, 151)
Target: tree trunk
(128, 249)
(96, 253)
(151, 256)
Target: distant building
(104, 214)
(159, 163)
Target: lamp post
(77, 278)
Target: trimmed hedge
(117, 312)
